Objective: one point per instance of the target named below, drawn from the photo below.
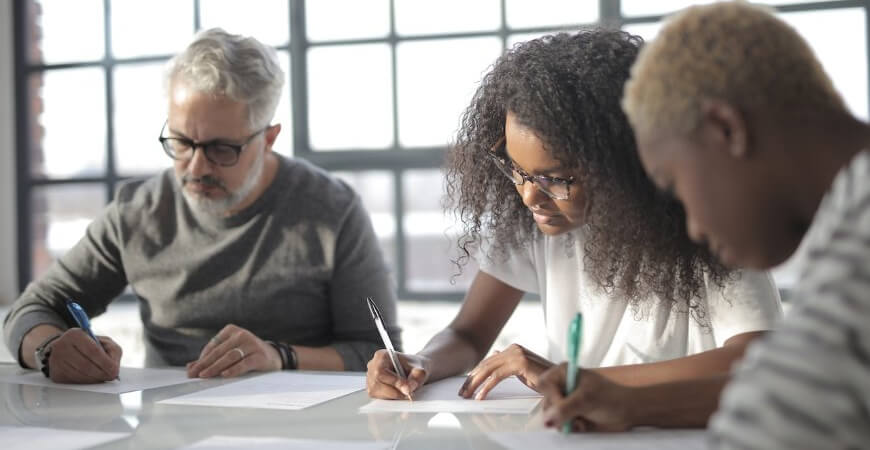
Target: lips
(544, 218)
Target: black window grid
(395, 160)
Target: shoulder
(146, 193)
(315, 194)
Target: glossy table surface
(154, 425)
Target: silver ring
(241, 352)
(216, 339)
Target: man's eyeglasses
(555, 187)
(221, 153)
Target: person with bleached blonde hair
(735, 116)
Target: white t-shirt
(614, 332)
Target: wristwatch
(43, 353)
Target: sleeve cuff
(15, 332)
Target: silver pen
(388, 344)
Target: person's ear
(726, 126)
(271, 134)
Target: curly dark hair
(567, 89)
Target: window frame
(394, 160)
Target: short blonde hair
(732, 51)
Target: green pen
(575, 333)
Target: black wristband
(281, 353)
(293, 359)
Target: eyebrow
(536, 172)
(210, 141)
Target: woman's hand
(597, 404)
(233, 352)
(515, 360)
(383, 382)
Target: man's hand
(597, 404)
(515, 360)
(383, 382)
(232, 352)
(76, 358)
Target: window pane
(150, 28)
(266, 20)
(431, 236)
(140, 110)
(515, 39)
(347, 19)
(658, 7)
(431, 99)
(350, 97)
(543, 13)
(63, 40)
(446, 16)
(647, 31)
(838, 37)
(376, 190)
(60, 216)
(73, 120)
(284, 113)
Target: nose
(199, 165)
(531, 195)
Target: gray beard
(221, 206)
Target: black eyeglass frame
(208, 148)
(510, 170)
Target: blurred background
(374, 94)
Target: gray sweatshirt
(295, 267)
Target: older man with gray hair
(242, 260)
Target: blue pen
(575, 334)
(81, 318)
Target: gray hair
(237, 67)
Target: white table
(152, 425)
(169, 426)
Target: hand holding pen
(380, 381)
(78, 356)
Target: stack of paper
(277, 390)
(131, 380)
(510, 396)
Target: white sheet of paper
(28, 438)
(266, 443)
(639, 439)
(510, 396)
(277, 390)
(132, 379)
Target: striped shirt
(807, 385)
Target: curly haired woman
(545, 177)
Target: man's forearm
(318, 358)
(36, 336)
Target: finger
(477, 376)
(386, 392)
(220, 337)
(63, 371)
(552, 383)
(112, 349)
(491, 382)
(569, 408)
(241, 367)
(77, 368)
(94, 360)
(217, 352)
(224, 362)
(416, 378)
